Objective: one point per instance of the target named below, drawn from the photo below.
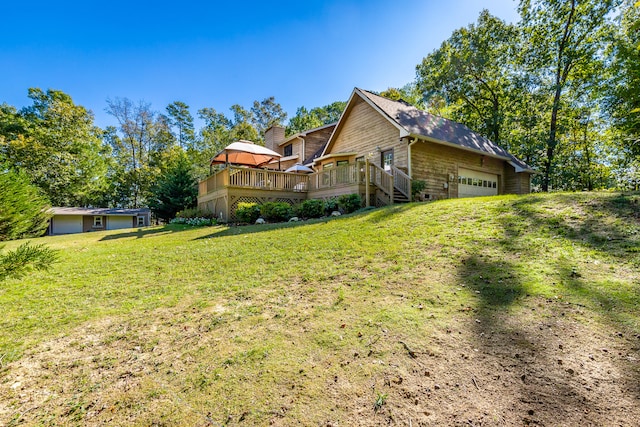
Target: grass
(298, 321)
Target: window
(327, 165)
(97, 221)
(360, 159)
(140, 221)
(495, 184)
(386, 159)
(288, 150)
(342, 162)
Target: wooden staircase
(395, 185)
(399, 197)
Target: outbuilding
(81, 220)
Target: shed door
(118, 222)
(474, 183)
(67, 224)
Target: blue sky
(216, 54)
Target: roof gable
(411, 121)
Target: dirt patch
(548, 364)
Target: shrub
(248, 212)
(193, 221)
(312, 208)
(195, 213)
(417, 185)
(349, 202)
(330, 205)
(276, 211)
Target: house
(300, 148)
(81, 220)
(378, 148)
(451, 159)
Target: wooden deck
(222, 191)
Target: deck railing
(381, 179)
(344, 175)
(338, 176)
(263, 179)
(401, 181)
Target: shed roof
(98, 211)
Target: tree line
(56, 143)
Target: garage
(118, 222)
(66, 224)
(473, 183)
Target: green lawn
(314, 322)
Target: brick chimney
(274, 136)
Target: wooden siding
(274, 136)
(364, 130)
(438, 165)
(316, 140)
(516, 183)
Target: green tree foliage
(471, 72)
(25, 258)
(142, 146)
(266, 114)
(408, 93)
(23, 209)
(564, 41)
(181, 120)
(623, 100)
(56, 143)
(241, 126)
(316, 117)
(175, 190)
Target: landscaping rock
(335, 213)
(260, 221)
(294, 219)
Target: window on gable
(288, 150)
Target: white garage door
(473, 183)
(118, 222)
(67, 224)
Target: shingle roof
(421, 123)
(98, 211)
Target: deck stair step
(399, 197)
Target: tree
(303, 120)
(176, 190)
(408, 93)
(471, 72)
(181, 119)
(623, 100)
(241, 127)
(23, 209)
(214, 136)
(25, 258)
(142, 149)
(266, 114)
(564, 40)
(57, 144)
(316, 117)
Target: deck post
(367, 190)
(391, 190)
